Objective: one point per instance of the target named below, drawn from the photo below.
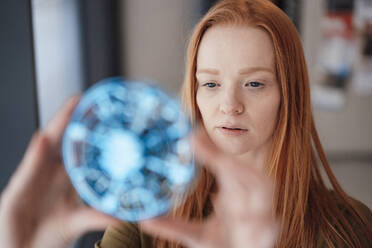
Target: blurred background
(52, 49)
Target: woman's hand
(242, 208)
(39, 207)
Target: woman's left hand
(243, 215)
(39, 207)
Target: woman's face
(237, 93)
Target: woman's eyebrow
(207, 71)
(255, 69)
(247, 70)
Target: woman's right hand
(243, 206)
(39, 207)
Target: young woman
(247, 89)
(247, 85)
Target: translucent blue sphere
(127, 150)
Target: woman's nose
(230, 103)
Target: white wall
(155, 35)
(57, 54)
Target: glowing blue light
(126, 150)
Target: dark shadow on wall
(18, 100)
(101, 40)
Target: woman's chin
(232, 146)
(237, 150)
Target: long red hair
(305, 206)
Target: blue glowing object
(127, 152)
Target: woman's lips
(232, 131)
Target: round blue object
(127, 151)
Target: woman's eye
(254, 84)
(210, 85)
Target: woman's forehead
(237, 45)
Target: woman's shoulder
(364, 212)
(363, 209)
(124, 235)
(357, 227)
(359, 206)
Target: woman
(246, 70)
(247, 87)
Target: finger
(30, 164)
(36, 154)
(35, 146)
(57, 125)
(187, 233)
(206, 152)
(223, 165)
(237, 180)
